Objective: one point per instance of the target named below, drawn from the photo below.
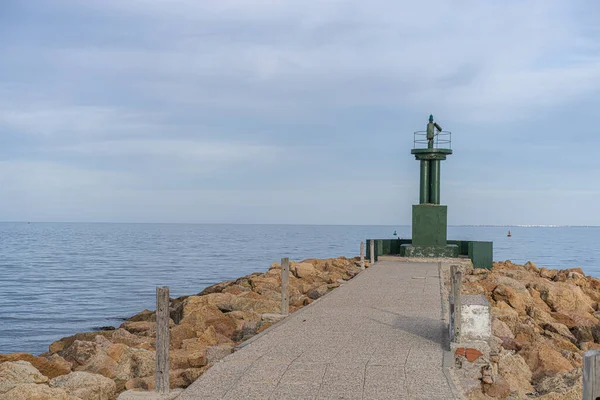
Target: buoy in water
(509, 235)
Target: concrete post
(285, 277)
(362, 255)
(162, 340)
(455, 303)
(591, 375)
(372, 250)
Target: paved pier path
(379, 336)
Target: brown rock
(315, 293)
(139, 327)
(79, 352)
(514, 369)
(217, 287)
(14, 373)
(303, 270)
(32, 391)
(548, 273)
(561, 296)
(51, 367)
(517, 299)
(86, 386)
(499, 389)
(500, 329)
(145, 315)
(544, 360)
(511, 344)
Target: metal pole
(424, 192)
(162, 340)
(591, 375)
(285, 277)
(362, 255)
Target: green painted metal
(431, 154)
(481, 254)
(424, 189)
(429, 224)
(434, 182)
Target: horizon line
(300, 224)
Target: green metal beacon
(429, 217)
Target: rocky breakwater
(543, 320)
(204, 328)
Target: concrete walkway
(379, 336)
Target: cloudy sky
(284, 111)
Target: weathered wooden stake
(285, 277)
(591, 375)
(455, 302)
(162, 340)
(362, 255)
(372, 248)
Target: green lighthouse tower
(429, 217)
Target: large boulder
(514, 369)
(51, 366)
(86, 386)
(14, 373)
(32, 391)
(543, 360)
(303, 270)
(562, 296)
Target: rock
(14, 373)
(519, 299)
(548, 273)
(303, 270)
(531, 267)
(145, 315)
(315, 293)
(543, 360)
(499, 389)
(217, 287)
(561, 296)
(514, 369)
(65, 342)
(511, 344)
(216, 353)
(51, 366)
(86, 386)
(32, 391)
(79, 352)
(272, 318)
(138, 327)
(500, 329)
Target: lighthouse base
(447, 251)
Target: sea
(58, 279)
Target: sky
(285, 111)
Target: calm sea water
(59, 279)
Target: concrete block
(476, 322)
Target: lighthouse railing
(441, 140)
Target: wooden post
(362, 255)
(455, 302)
(591, 375)
(162, 340)
(285, 277)
(372, 248)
